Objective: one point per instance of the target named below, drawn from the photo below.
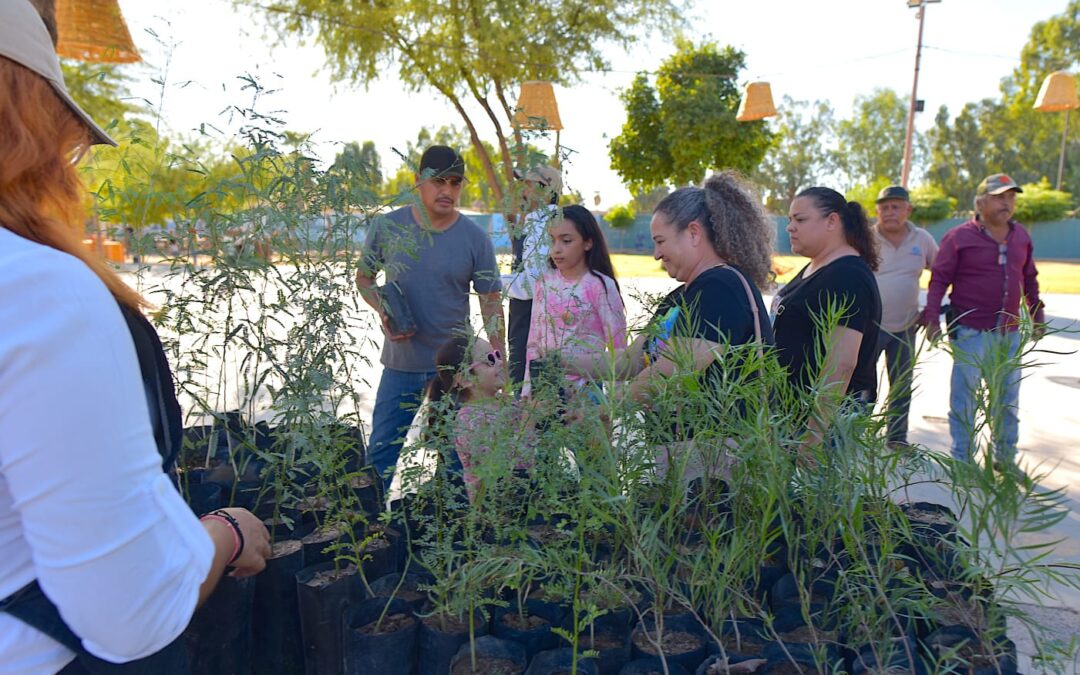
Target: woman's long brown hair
(41, 141)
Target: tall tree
(871, 143)
(362, 161)
(471, 51)
(686, 126)
(1008, 134)
(801, 154)
(99, 89)
(477, 193)
(1024, 141)
(956, 148)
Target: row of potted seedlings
(346, 592)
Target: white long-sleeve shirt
(534, 259)
(84, 506)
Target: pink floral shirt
(575, 316)
(478, 428)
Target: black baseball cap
(439, 160)
(894, 192)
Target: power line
(981, 55)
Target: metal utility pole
(910, 137)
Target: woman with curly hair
(716, 240)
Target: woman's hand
(252, 559)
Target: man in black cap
(906, 250)
(431, 253)
(989, 263)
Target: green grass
(1054, 276)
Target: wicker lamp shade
(94, 30)
(756, 103)
(536, 107)
(1058, 92)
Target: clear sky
(833, 50)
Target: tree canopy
(685, 126)
(802, 153)
(471, 51)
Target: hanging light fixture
(1058, 94)
(757, 103)
(94, 31)
(538, 110)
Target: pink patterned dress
(575, 316)
(482, 428)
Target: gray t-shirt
(433, 270)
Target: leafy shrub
(867, 194)
(620, 216)
(1039, 203)
(931, 204)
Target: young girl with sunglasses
(467, 389)
(576, 305)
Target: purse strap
(753, 307)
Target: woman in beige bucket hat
(103, 563)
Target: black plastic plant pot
(609, 636)
(529, 626)
(652, 665)
(683, 640)
(281, 529)
(791, 627)
(786, 592)
(380, 637)
(440, 637)
(351, 440)
(769, 572)
(318, 542)
(276, 613)
(613, 621)
(492, 655)
(559, 661)
(793, 658)
(407, 589)
(741, 639)
(367, 487)
(959, 649)
(380, 555)
(245, 494)
(323, 591)
(901, 656)
(718, 664)
(930, 520)
(219, 637)
(205, 497)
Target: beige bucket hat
(25, 40)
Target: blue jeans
(992, 358)
(899, 351)
(398, 398)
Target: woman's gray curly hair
(738, 229)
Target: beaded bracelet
(238, 535)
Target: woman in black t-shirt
(717, 240)
(839, 280)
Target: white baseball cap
(25, 40)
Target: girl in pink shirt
(577, 307)
(467, 389)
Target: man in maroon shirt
(989, 263)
